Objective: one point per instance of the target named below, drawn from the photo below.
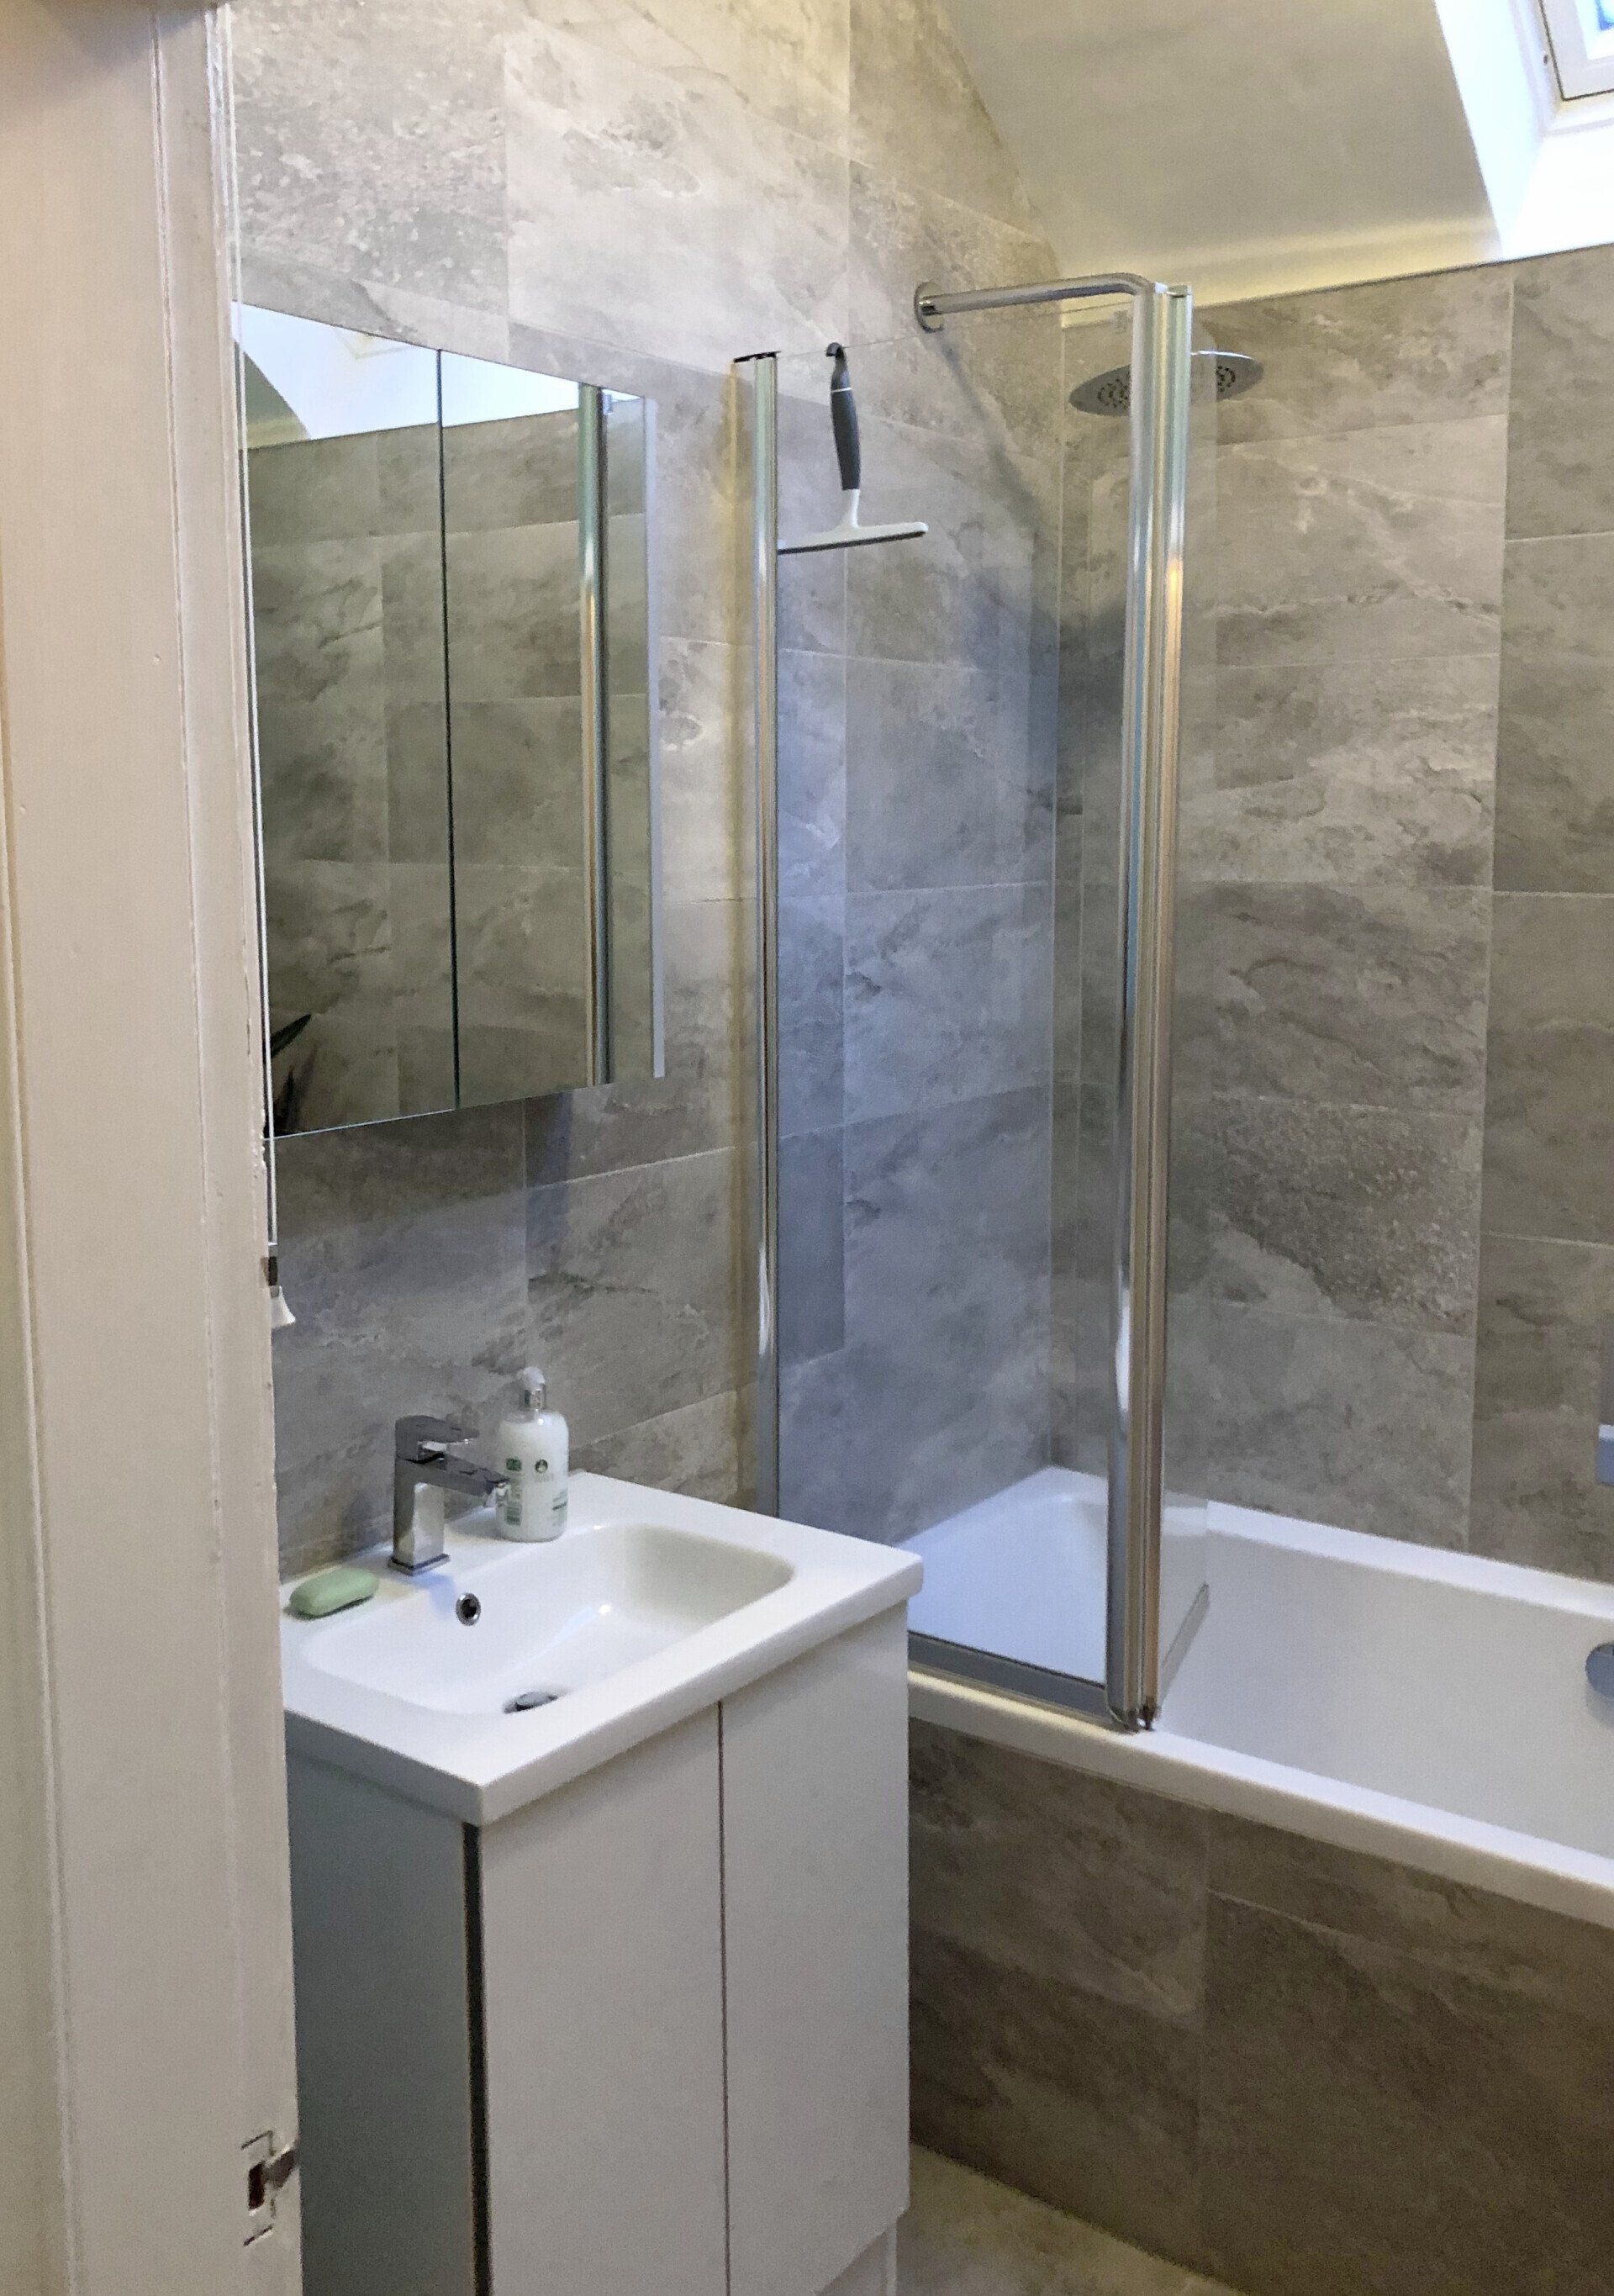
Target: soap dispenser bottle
(534, 1458)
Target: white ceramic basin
(648, 1608)
(584, 1606)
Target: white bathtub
(1412, 1704)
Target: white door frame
(145, 2027)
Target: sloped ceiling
(1246, 146)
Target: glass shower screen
(967, 750)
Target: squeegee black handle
(843, 419)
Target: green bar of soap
(337, 1589)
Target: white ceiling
(1246, 146)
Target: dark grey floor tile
(1549, 1106)
(1373, 996)
(1546, 1311)
(1375, 2121)
(966, 2235)
(1320, 1211)
(1560, 437)
(1377, 543)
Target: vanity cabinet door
(602, 1976)
(815, 1902)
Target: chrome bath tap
(424, 1473)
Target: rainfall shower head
(1110, 393)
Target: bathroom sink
(553, 1618)
(512, 1669)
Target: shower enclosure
(966, 923)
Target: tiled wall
(1546, 1276)
(347, 600)
(1399, 1083)
(1309, 2072)
(635, 196)
(915, 1190)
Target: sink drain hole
(527, 1699)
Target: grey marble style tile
(646, 1119)
(699, 1449)
(1376, 543)
(1068, 2095)
(917, 115)
(968, 591)
(1554, 812)
(1060, 1874)
(512, 613)
(1361, 1425)
(306, 490)
(792, 68)
(324, 103)
(1379, 2118)
(947, 1237)
(402, 1256)
(812, 775)
(685, 221)
(1432, 348)
(948, 995)
(1549, 1110)
(903, 233)
(1361, 995)
(1364, 1212)
(812, 1024)
(633, 1290)
(812, 1248)
(1546, 1311)
(702, 804)
(1348, 773)
(1560, 442)
(943, 786)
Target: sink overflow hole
(467, 1610)
(528, 1699)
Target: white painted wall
(1247, 146)
(145, 1919)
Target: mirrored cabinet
(455, 707)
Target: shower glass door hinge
(270, 2167)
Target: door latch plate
(270, 2167)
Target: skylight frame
(1581, 34)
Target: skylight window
(1582, 36)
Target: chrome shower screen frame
(1162, 318)
(1162, 330)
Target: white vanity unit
(607, 1996)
